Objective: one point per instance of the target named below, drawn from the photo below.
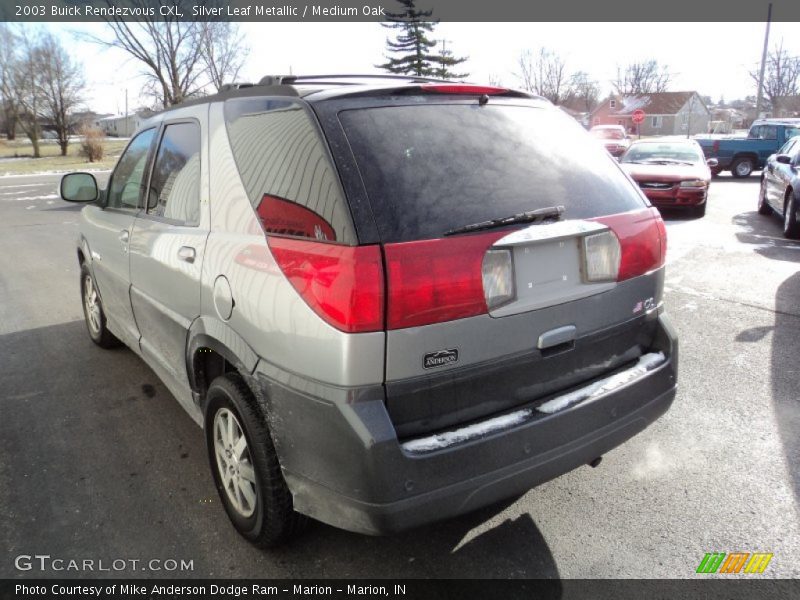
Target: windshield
(679, 153)
(430, 168)
(607, 134)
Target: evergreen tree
(413, 52)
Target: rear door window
(429, 168)
(287, 171)
(175, 183)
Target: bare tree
(179, 58)
(28, 90)
(8, 57)
(62, 86)
(782, 74)
(645, 77)
(170, 51)
(223, 52)
(584, 91)
(545, 74)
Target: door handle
(187, 254)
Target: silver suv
(386, 300)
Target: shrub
(91, 146)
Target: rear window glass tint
(435, 167)
(286, 170)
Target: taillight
(715, 146)
(431, 281)
(342, 284)
(462, 88)
(642, 238)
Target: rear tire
(763, 206)
(245, 466)
(791, 228)
(741, 168)
(93, 313)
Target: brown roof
(660, 103)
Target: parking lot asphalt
(98, 462)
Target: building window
(656, 122)
(613, 104)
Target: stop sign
(638, 115)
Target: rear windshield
(435, 167)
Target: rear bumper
(345, 466)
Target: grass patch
(16, 157)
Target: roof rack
(237, 85)
(337, 79)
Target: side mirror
(784, 159)
(712, 163)
(79, 187)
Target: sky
(711, 58)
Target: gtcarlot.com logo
(46, 562)
(734, 562)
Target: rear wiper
(551, 213)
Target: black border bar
(375, 10)
(705, 587)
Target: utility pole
(763, 63)
(442, 59)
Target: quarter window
(128, 178)
(286, 170)
(175, 183)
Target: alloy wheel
(234, 463)
(91, 303)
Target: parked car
(672, 173)
(742, 156)
(614, 138)
(780, 187)
(378, 318)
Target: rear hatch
(519, 260)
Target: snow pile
(646, 363)
(442, 440)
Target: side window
(790, 132)
(286, 169)
(127, 180)
(175, 184)
(768, 132)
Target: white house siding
(692, 118)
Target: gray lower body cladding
(345, 464)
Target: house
(786, 106)
(123, 126)
(666, 113)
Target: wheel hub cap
(234, 463)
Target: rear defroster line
(587, 393)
